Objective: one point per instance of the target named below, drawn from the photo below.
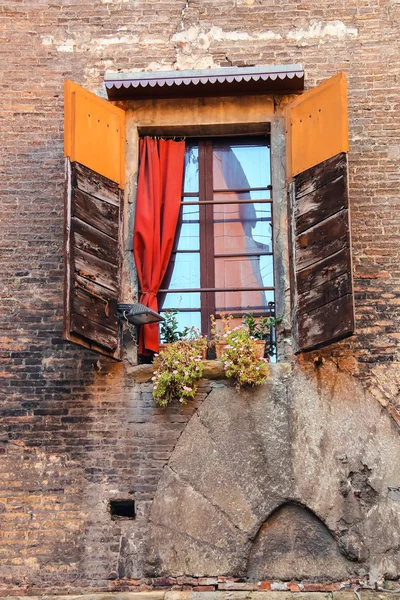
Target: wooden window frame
(206, 250)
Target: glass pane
(179, 300)
(186, 271)
(244, 271)
(241, 302)
(233, 196)
(188, 319)
(238, 165)
(191, 175)
(188, 229)
(242, 228)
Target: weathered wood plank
(323, 294)
(97, 270)
(94, 331)
(323, 271)
(320, 175)
(100, 214)
(323, 239)
(94, 303)
(93, 241)
(322, 203)
(331, 322)
(95, 184)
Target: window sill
(212, 369)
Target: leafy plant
(169, 328)
(241, 360)
(179, 369)
(260, 329)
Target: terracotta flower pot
(219, 348)
(163, 346)
(260, 348)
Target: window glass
(189, 229)
(180, 300)
(186, 271)
(237, 166)
(242, 228)
(224, 241)
(191, 174)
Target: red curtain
(157, 210)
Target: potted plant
(170, 333)
(219, 335)
(179, 370)
(260, 330)
(241, 359)
(169, 328)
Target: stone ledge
(212, 369)
(216, 595)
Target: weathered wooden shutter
(321, 270)
(94, 150)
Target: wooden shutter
(94, 149)
(321, 270)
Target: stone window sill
(212, 369)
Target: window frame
(206, 203)
(226, 116)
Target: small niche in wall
(122, 509)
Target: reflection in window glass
(242, 228)
(227, 243)
(191, 174)
(244, 271)
(189, 229)
(188, 319)
(240, 166)
(243, 302)
(186, 274)
(251, 195)
(179, 300)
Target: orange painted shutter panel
(94, 133)
(317, 125)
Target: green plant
(241, 360)
(178, 371)
(169, 327)
(260, 329)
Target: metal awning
(225, 81)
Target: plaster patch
(47, 40)
(111, 41)
(194, 35)
(321, 29)
(184, 62)
(67, 46)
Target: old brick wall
(74, 426)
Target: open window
(225, 233)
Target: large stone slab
(293, 543)
(311, 438)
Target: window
(223, 255)
(318, 253)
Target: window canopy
(225, 81)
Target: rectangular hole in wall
(122, 509)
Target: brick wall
(74, 426)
